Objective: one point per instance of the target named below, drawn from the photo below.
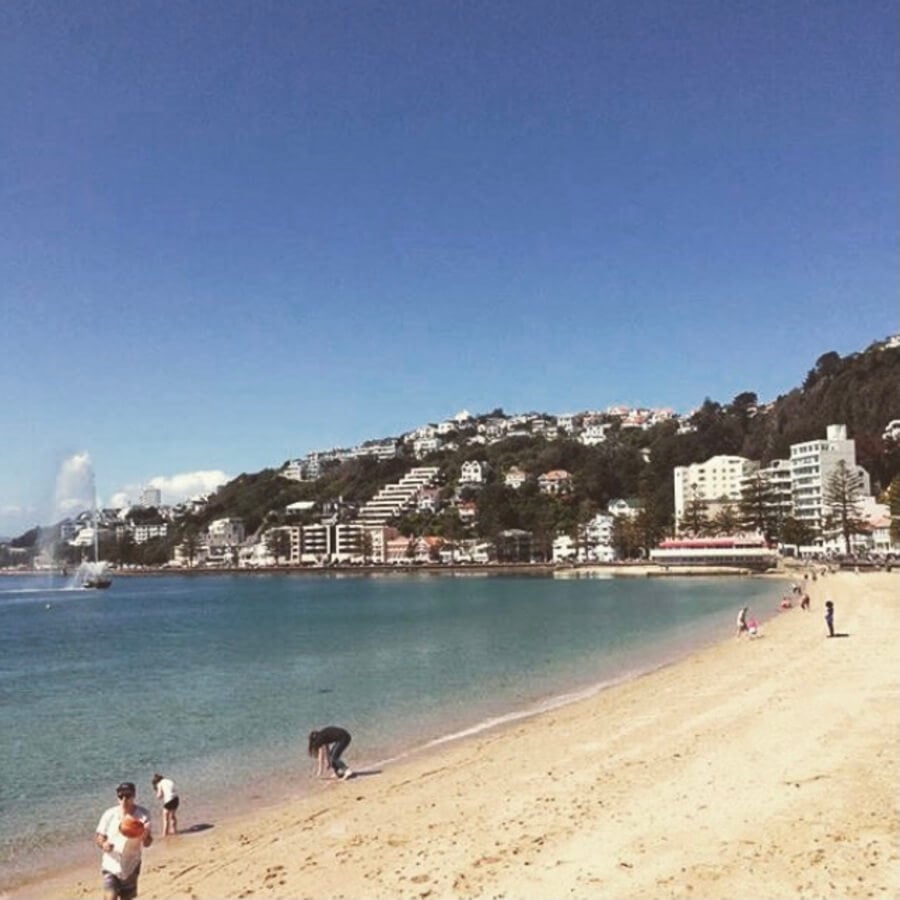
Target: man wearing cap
(121, 862)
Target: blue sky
(234, 232)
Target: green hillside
(861, 390)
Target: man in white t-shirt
(121, 863)
(165, 791)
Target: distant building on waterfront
(812, 465)
(714, 483)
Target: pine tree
(841, 499)
(758, 508)
(893, 499)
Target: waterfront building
(715, 483)
(812, 465)
(749, 551)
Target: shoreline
(629, 569)
(664, 651)
(503, 811)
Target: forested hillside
(861, 390)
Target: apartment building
(473, 472)
(715, 483)
(151, 496)
(226, 532)
(394, 498)
(812, 465)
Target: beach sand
(755, 768)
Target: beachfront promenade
(755, 768)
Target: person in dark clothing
(829, 617)
(328, 744)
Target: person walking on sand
(742, 620)
(328, 744)
(165, 791)
(829, 617)
(121, 862)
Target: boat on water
(93, 574)
(96, 582)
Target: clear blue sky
(234, 232)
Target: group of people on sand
(750, 627)
(125, 829)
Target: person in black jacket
(328, 744)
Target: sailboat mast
(96, 536)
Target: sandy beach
(755, 768)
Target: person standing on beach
(121, 862)
(829, 617)
(742, 620)
(165, 791)
(328, 744)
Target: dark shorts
(124, 888)
(172, 805)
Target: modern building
(397, 497)
(812, 465)
(151, 496)
(714, 483)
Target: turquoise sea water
(217, 680)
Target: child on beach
(165, 791)
(829, 617)
(328, 744)
(742, 620)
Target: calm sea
(217, 680)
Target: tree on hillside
(841, 500)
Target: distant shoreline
(647, 570)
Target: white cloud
(174, 488)
(74, 491)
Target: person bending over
(328, 744)
(165, 791)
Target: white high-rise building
(812, 465)
(714, 482)
(151, 496)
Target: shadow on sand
(194, 829)
(838, 634)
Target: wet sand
(755, 768)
